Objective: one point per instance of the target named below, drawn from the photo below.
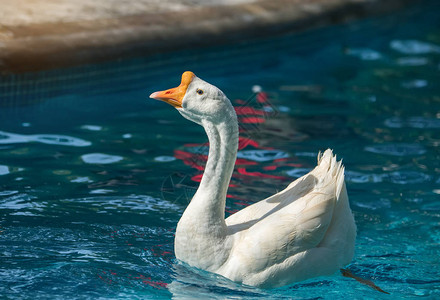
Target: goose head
(198, 101)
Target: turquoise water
(94, 175)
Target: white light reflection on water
(92, 127)
(52, 139)
(101, 191)
(21, 201)
(8, 193)
(415, 84)
(164, 158)
(364, 53)
(4, 170)
(100, 158)
(262, 155)
(402, 149)
(81, 179)
(414, 47)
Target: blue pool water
(94, 176)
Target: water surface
(94, 176)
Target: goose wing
(255, 212)
(291, 221)
(290, 230)
(327, 168)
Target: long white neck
(223, 144)
(202, 229)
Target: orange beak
(175, 95)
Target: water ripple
(133, 202)
(412, 122)
(431, 206)
(4, 170)
(82, 179)
(408, 177)
(8, 193)
(92, 127)
(164, 158)
(414, 47)
(52, 139)
(398, 177)
(358, 177)
(101, 191)
(298, 172)
(262, 155)
(415, 84)
(100, 158)
(374, 205)
(397, 149)
(20, 201)
(364, 53)
(412, 61)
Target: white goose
(304, 231)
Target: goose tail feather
(328, 163)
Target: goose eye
(199, 91)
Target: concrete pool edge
(45, 46)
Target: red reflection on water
(263, 97)
(243, 142)
(270, 168)
(152, 283)
(197, 178)
(246, 110)
(248, 170)
(259, 174)
(252, 120)
(158, 250)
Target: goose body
(304, 231)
